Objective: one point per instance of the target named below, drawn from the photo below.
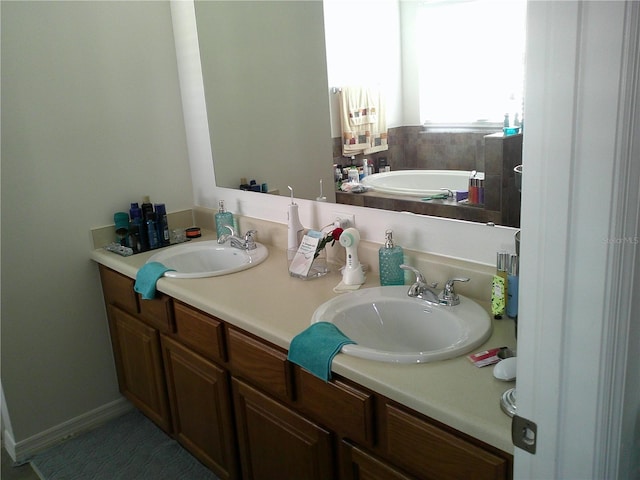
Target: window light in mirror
(466, 53)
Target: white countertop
(267, 302)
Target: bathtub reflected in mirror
(425, 162)
(421, 183)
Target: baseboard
(23, 450)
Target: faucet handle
(448, 295)
(250, 240)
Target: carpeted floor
(128, 448)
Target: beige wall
(91, 120)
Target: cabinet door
(360, 465)
(200, 401)
(138, 357)
(277, 443)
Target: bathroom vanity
(207, 362)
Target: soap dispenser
(295, 230)
(390, 258)
(222, 219)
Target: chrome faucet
(448, 296)
(246, 243)
(420, 289)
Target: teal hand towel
(147, 277)
(315, 347)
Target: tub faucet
(246, 243)
(420, 289)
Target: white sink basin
(208, 259)
(390, 326)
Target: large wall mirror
(273, 76)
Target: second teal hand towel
(315, 347)
(147, 277)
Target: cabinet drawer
(360, 465)
(203, 333)
(432, 452)
(158, 312)
(264, 365)
(342, 407)
(118, 290)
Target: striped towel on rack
(363, 121)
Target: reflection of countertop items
(453, 392)
(439, 208)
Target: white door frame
(578, 354)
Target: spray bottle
(295, 229)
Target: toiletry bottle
(223, 218)
(146, 208)
(354, 176)
(391, 257)
(512, 287)
(500, 289)
(503, 264)
(152, 232)
(138, 242)
(121, 220)
(162, 225)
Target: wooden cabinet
(200, 332)
(201, 408)
(135, 340)
(433, 452)
(238, 404)
(278, 443)
(357, 464)
(344, 407)
(264, 365)
(136, 348)
(118, 290)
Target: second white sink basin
(208, 259)
(388, 325)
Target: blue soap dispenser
(391, 257)
(222, 219)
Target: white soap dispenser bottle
(295, 229)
